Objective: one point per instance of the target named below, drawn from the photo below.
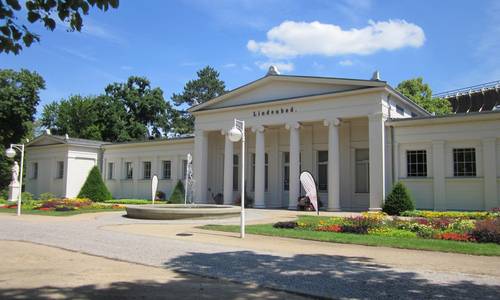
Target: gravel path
(319, 275)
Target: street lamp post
(10, 153)
(236, 134)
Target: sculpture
(15, 172)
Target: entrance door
(284, 177)
(361, 167)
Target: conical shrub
(398, 201)
(94, 187)
(177, 196)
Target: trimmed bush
(177, 196)
(398, 201)
(94, 188)
(286, 225)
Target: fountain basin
(181, 211)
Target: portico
(333, 128)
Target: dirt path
(31, 271)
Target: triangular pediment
(45, 140)
(282, 87)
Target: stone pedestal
(14, 190)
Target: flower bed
(476, 215)
(64, 205)
(457, 228)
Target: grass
(487, 249)
(131, 201)
(57, 213)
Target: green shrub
(94, 188)
(398, 201)
(177, 196)
(46, 196)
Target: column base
(259, 206)
(333, 209)
(292, 208)
(375, 209)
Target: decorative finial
(376, 75)
(273, 70)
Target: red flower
(330, 228)
(452, 236)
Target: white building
(357, 137)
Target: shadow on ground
(194, 288)
(331, 276)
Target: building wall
(77, 163)
(138, 153)
(440, 189)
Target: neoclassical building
(357, 137)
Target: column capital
(438, 142)
(333, 122)
(376, 116)
(258, 128)
(489, 140)
(294, 125)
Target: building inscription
(279, 111)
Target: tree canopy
(19, 97)
(196, 91)
(13, 34)
(421, 93)
(125, 111)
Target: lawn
(404, 242)
(57, 213)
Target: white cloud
(126, 68)
(229, 65)
(346, 63)
(291, 39)
(282, 66)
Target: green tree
(13, 34)
(19, 97)
(421, 93)
(399, 200)
(127, 111)
(94, 187)
(207, 86)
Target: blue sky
(452, 44)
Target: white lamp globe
(10, 152)
(235, 135)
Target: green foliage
(398, 201)
(126, 111)
(476, 215)
(177, 196)
(129, 201)
(421, 93)
(13, 34)
(46, 196)
(94, 187)
(207, 86)
(19, 97)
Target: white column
(260, 176)
(333, 165)
(228, 170)
(438, 175)
(200, 165)
(377, 160)
(294, 191)
(490, 173)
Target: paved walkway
(320, 269)
(42, 272)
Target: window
(400, 110)
(184, 168)
(266, 168)
(146, 169)
(129, 170)
(235, 172)
(111, 170)
(60, 170)
(323, 171)
(416, 163)
(167, 169)
(286, 171)
(34, 174)
(464, 162)
(362, 171)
